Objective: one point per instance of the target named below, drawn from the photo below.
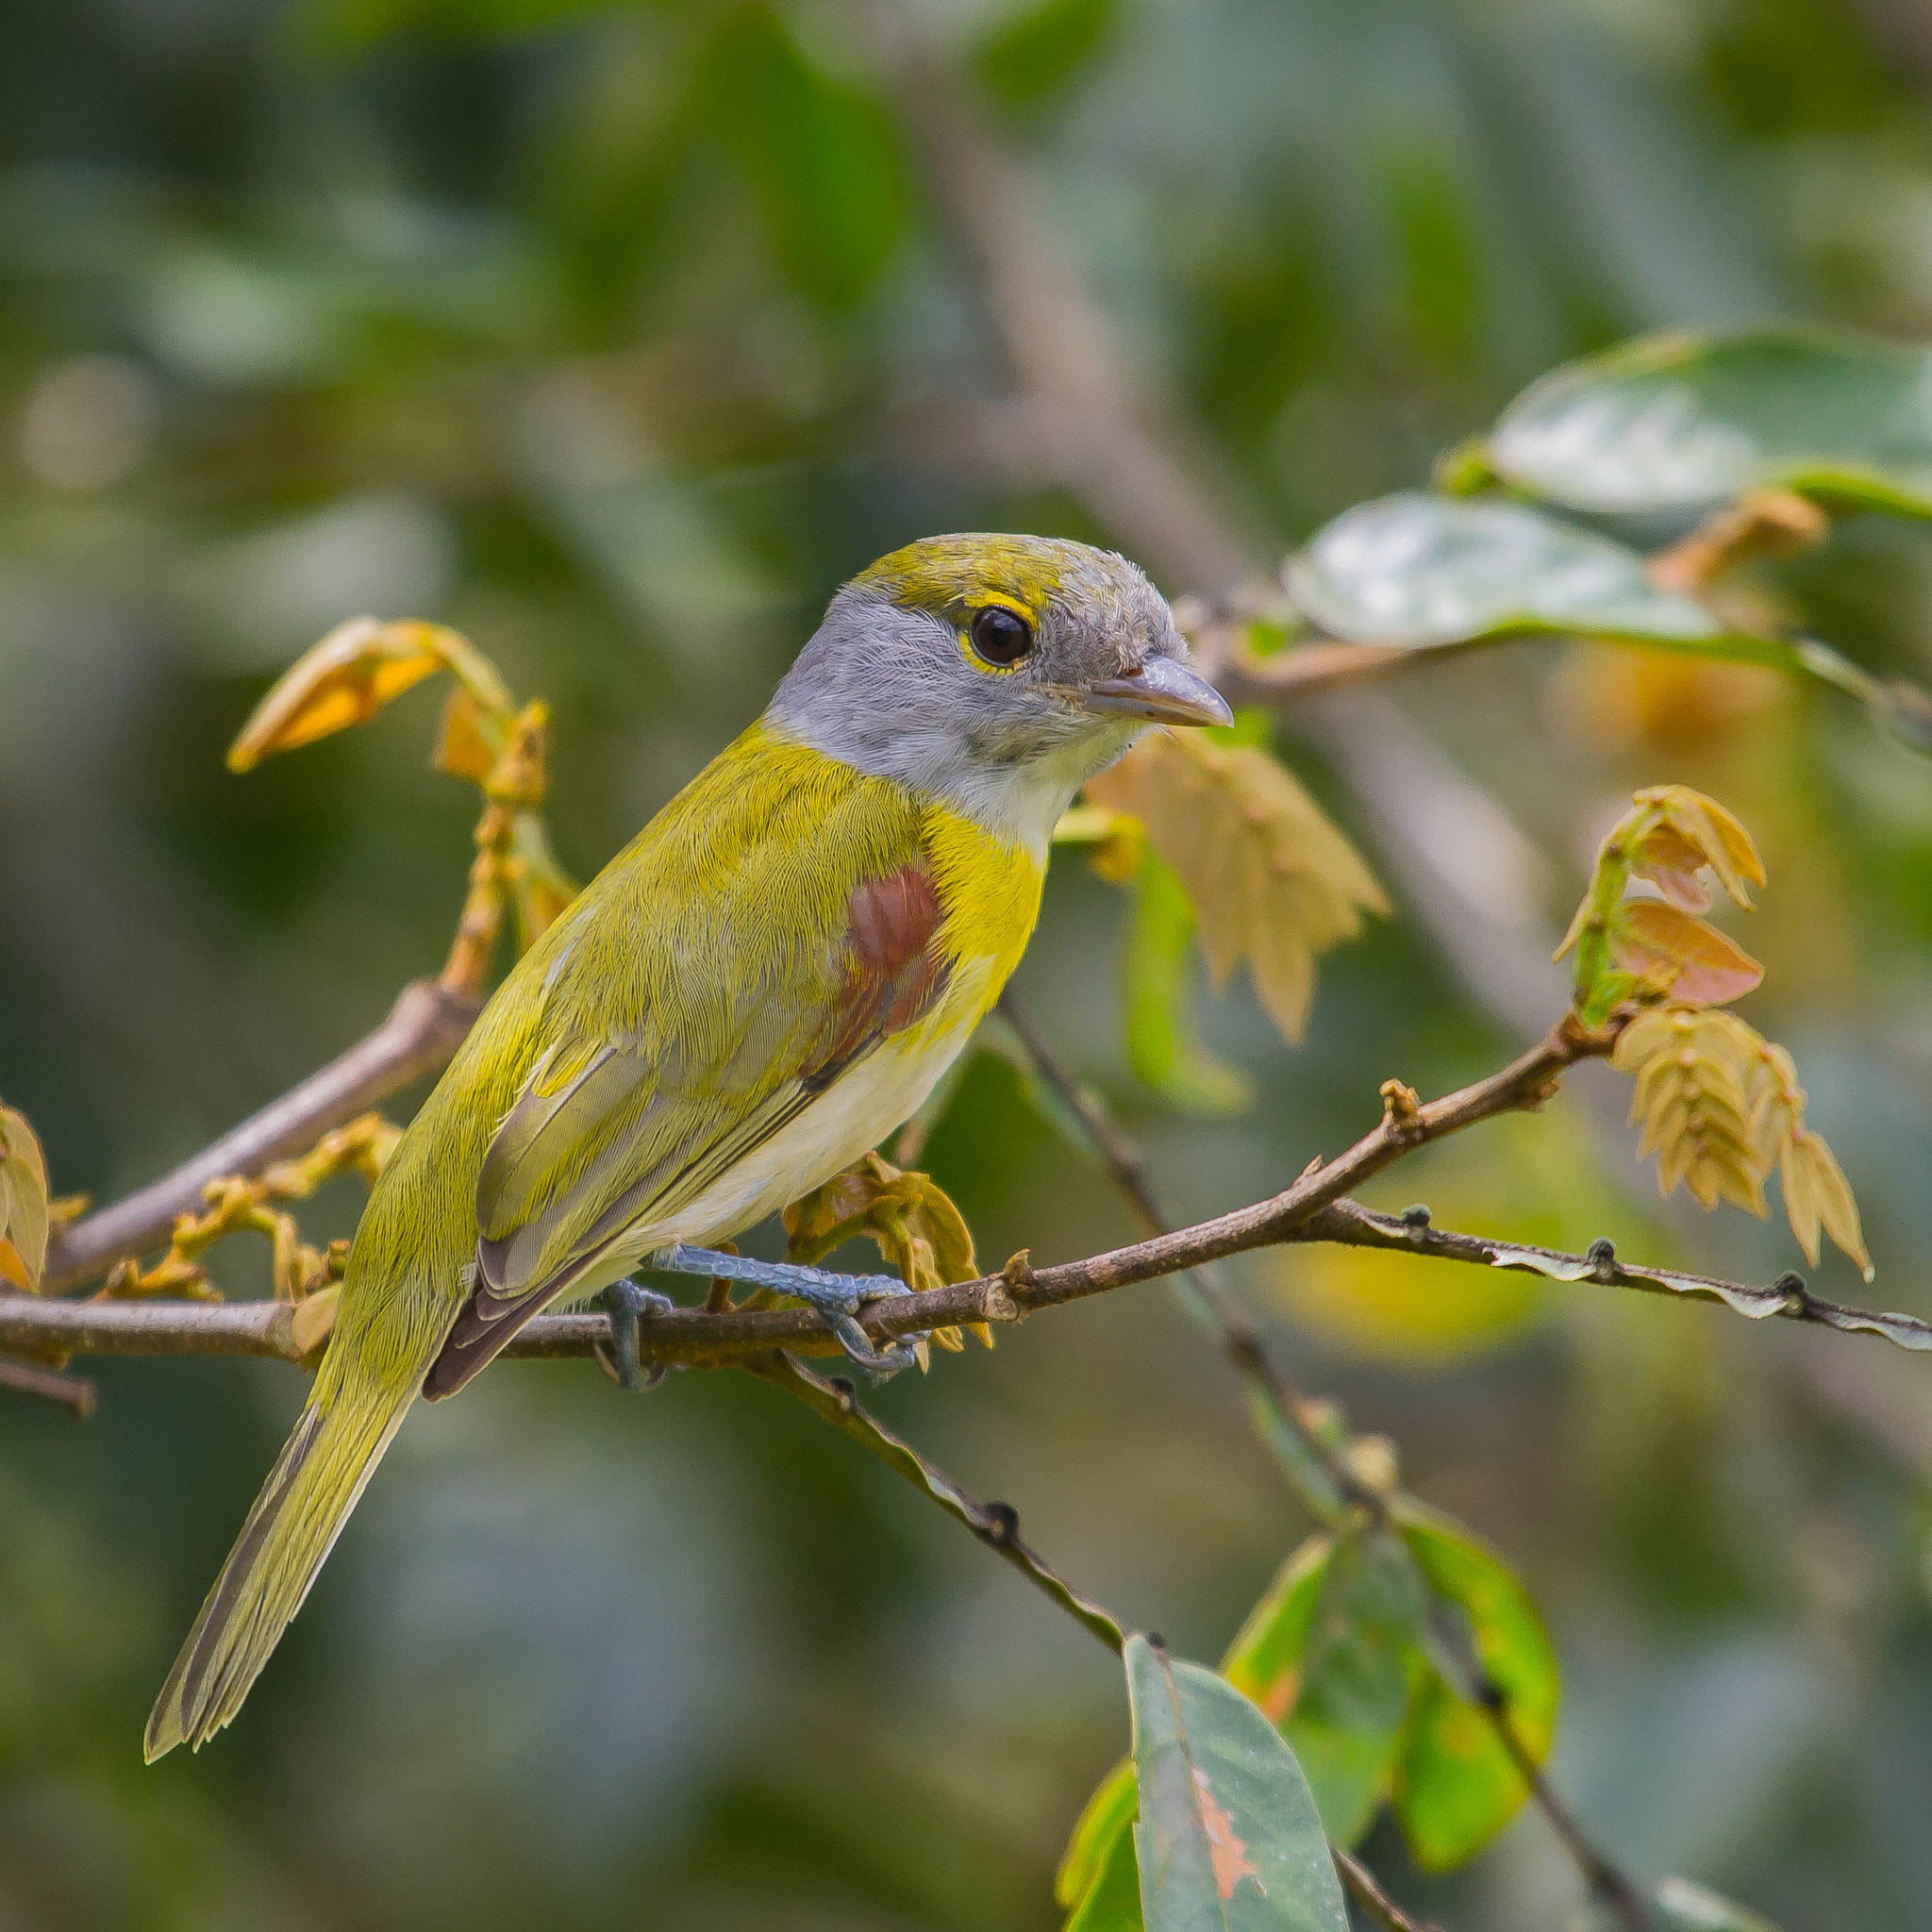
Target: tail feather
(318, 1480)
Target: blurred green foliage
(611, 336)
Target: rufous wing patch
(893, 973)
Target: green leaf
(1425, 573)
(1228, 1838)
(1032, 54)
(1331, 1655)
(1432, 572)
(824, 158)
(1099, 1878)
(1682, 422)
(1162, 1047)
(1455, 1786)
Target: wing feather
(703, 992)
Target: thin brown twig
(1242, 1342)
(701, 1338)
(997, 1525)
(1284, 1408)
(1367, 1891)
(70, 1392)
(43, 1326)
(424, 1029)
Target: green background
(618, 337)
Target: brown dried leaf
(23, 1202)
(1695, 961)
(347, 677)
(1270, 880)
(922, 1235)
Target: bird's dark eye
(1000, 636)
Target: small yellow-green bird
(761, 987)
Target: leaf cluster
(1367, 1653)
(1221, 843)
(1721, 1108)
(923, 1237)
(485, 736)
(1719, 1105)
(308, 1277)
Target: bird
(767, 981)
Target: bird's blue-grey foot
(626, 1299)
(837, 1297)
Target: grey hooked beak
(1164, 690)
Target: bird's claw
(837, 1297)
(626, 1301)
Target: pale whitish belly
(852, 1116)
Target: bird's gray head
(996, 673)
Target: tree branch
(1350, 1225)
(997, 1525)
(69, 1391)
(424, 1029)
(51, 1328)
(1367, 1891)
(1306, 1450)
(1085, 416)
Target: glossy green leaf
(1455, 1786)
(1331, 1655)
(1429, 572)
(1437, 573)
(1099, 1880)
(1162, 1047)
(1683, 422)
(1228, 1838)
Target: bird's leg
(626, 1299)
(837, 1297)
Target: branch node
(1002, 1526)
(843, 1388)
(1797, 1295)
(1402, 1112)
(1601, 1256)
(1416, 1220)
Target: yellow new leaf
(922, 1235)
(315, 1319)
(1808, 1171)
(1722, 1107)
(355, 670)
(1697, 962)
(1705, 827)
(1270, 880)
(1692, 1066)
(461, 749)
(23, 1202)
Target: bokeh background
(617, 336)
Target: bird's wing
(775, 925)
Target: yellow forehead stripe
(950, 575)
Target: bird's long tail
(296, 1519)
